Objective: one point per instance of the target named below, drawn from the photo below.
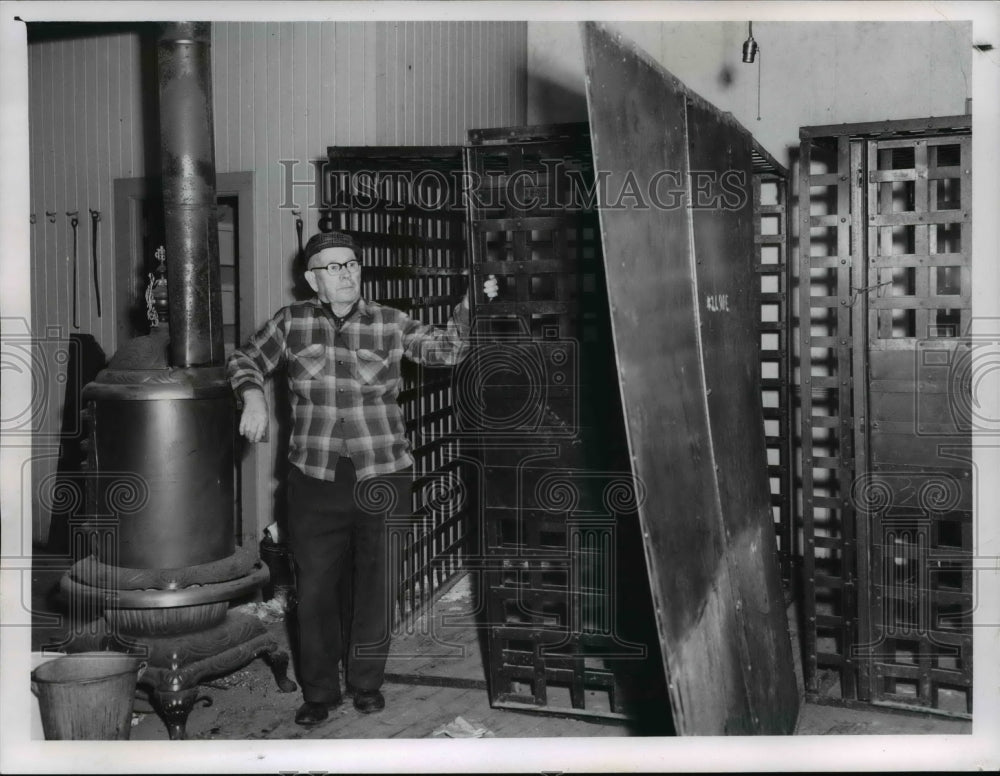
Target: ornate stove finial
(156, 291)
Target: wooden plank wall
(85, 130)
(281, 91)
(439, 79)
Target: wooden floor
(434, 677)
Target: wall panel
(439, 79)
(811, 72)
(85, 116)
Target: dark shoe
(312, 712)
(368, 701)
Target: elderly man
(342, 354)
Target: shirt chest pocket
(308, 362)
(372, 366)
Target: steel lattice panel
(553, 615)
(917, 492)
(770, 196)
(884, 275)
(829, 566)
(531, 227)
(560, 539)
(401, 205)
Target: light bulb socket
(750, 49)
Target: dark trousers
(339, 547)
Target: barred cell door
(910, 315)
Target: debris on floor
(272, 610)
(461, 591)
(461, 728)
(241, 678)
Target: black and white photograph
(613, 386)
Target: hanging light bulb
(749, 46)
(750, 51)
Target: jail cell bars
(918, 237)
(917, 639)
(886, 345)
(570, 626)
(770, 198)
(398, 204)
(827, 199)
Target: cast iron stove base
(173, 620)
(177, 664)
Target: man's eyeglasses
(336, 267)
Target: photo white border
(893, 753)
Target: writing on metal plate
(717, 303)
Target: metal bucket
(87, 696)
(277, 557)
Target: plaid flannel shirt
(344, 381)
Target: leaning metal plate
(681, 287)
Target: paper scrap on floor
(461, 728)
(267, 611)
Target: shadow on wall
(86, 359)
(149, 73)
(555, 104)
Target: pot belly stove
(165, 567)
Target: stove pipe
(189, 207)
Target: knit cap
(324, 240)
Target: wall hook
(51, 215)
(298, 232)
(73, 222)
(33, 219)
(95, 217)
